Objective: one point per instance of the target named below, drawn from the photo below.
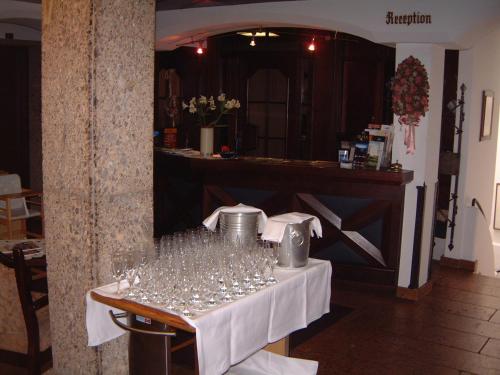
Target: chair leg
(9, 229)
(24, 230)
(34, 366)
(34, 361)
(42, 217)
(9, 220)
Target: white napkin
(211, 221)
(267, 363)
(275, 226)
(100, 327)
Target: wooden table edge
(146, 311)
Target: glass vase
(206, 141)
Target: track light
(199, 50)
(311, 47)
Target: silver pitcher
(293, 251)
(239, 227)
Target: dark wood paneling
(324, 95)
(292, 186)
(333, 93)
(450, 87)
(14, 107)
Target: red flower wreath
(410, 97)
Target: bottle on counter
(170, 137)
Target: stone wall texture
(97, 123)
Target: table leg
(149, 354)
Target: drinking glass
(273, 261)
(131, 268)
(118, 270)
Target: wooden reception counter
(361, 210)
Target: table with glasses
(230, 298)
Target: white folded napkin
(211, 221)
(276, 225)
(267, 363)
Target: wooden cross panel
(335, 228)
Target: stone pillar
(97, 110)
(424, 162)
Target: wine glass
(118, 270)
(273, 260)
(131, 269)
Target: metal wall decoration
(453, 106)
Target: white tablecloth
(232, 332)
(267, 363)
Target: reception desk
(361, 210)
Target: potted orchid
(209, 113)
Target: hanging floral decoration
(410, 97)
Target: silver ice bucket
(293, 251)
(239, 227)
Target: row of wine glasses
(195, 270)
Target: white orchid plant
(209, 112)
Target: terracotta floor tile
(495, 318)
(459, 308)
(492, 348)
(466, 297)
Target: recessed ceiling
(26, 22)
(185, 4)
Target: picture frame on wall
(487, 115)
(496, 221)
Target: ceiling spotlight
(311, 47)
(252, 42)
(199, 50)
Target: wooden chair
(18, 205)
(31, 282)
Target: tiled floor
(455, 330)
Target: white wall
(455, 23)
(479, 69)
(13, 14)
(424, 162)
(20, 32)
(19, 9)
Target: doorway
(267, 112)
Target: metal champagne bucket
(293, 251)
(239, 228)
